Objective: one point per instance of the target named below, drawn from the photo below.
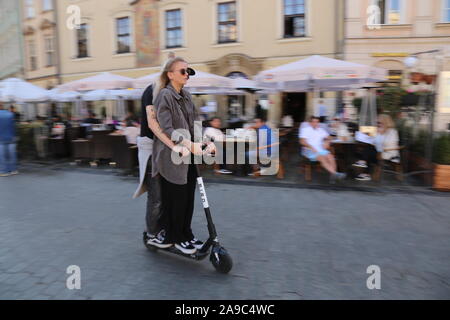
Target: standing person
(17, 115)
(8, 155)
(175, 110)
(152, 185)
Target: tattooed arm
(157, 131)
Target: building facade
(40, 40)
(383, 33)
(240, 38)
(230, 38)
(96, 36)
(11, 59)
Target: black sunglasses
(189, 71)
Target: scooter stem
(211, 226)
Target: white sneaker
(223, 171)
(360, 164)
(186, 247)
(14, 172)
(363, 177)
(197, 243)
(158, 241)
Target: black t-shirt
(147, 99)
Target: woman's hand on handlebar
(196, 148)
(210, 148)
(182, 150)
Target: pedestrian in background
(8, 156)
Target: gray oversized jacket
(168, 105)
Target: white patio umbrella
(201, 82)
(215, 91)
(248, 85)
(68, 96)
(145, 81)
(104, 80)
(319, 73)
(17, 90)
(208, 81)
(98, 95)
(114, 95)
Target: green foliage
(441, 149)
(26, 138)
(420, 142)
(390, 101)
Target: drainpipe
(21, 40)
(56, 39)
(339, 43)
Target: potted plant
(441, 159)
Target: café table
(240, 144)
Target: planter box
(441, 179)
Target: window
(82, 41)
(227, 22)
(32, 55)
(123, 35)
(294, 18)
(391, 11)
(174, 37)
(49, 51)
(446, 15)
(47, 5)
(29, 8)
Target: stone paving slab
(286, 243)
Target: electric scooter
(218, 255)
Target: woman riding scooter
(175, 111)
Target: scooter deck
(196, 256)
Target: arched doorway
(395, 69)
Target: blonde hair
(163, 79)
(387, 121)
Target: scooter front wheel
(221, 260)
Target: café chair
(383, 166)
(307, 166)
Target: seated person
(91, 119)
(263, 147)
(339, 130)
(131, 117)
(131, 130)
(213, 133)
(315, 142)
(385, 143)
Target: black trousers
(154, 203)
(178, 207)
(368, 153)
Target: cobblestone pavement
(286, 243)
